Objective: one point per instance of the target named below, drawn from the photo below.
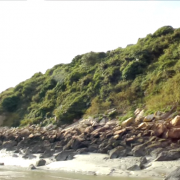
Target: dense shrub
(145, 74)
(10, 103)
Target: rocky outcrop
(138, 136)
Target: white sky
(35, 35)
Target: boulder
(142, 162)
(143, 125)
(168, 156)
(127, 122)
(65, 155)
(31, 167)
(48, 153)
(174, 175)
(139, 117)
(160, 129)
(137, 111)
(9, 145)
(154, 145)
(175, 121)
(93, 148)
(156, 152)
(120, 132)
(75, 143)
(24, 133)
(40, 162)
(119, 151)
(149, 118)
(139, 150)
(82, 151)
(173, 133)
(28, 156)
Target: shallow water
(22, 174)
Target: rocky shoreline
(156, 136)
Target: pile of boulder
(156, 135)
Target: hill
(144, 75)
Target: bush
(132, 69)
(163, 31)
(10, 103)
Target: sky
(35, 35)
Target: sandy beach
(94, 164)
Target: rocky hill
(112, 83)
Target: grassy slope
(142, 75)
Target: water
(22, 174)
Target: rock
(51, 127)
(168, 156)
(154, 145)
(174, 175)
(31, 167)
(149, 118)
(173, 133)
(139, 117)
(103, 121)
(137, 111)
(89, 129)
(119, 151)
(24, 133)
(139, 150)
(143, 125)
(48, 153)
(9, 145)
(93, 148)
(65, 155)
(15, 155)
(127, 122)
(120, 132)
(156, 152)
(82, 151)
(40, 162)
(175, 121)
(142, 162)
(160, 129)
(134, 168)
(112, 123)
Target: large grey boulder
(9, 145)
(174, 175)
(48, 153)
(40, 162)
(139, 150)
(168, 156)
(117, 152)
(156, 152)
(65, 155)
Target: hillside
(144, 75)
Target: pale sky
(35, 35)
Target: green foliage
(132, 69)
(10, 104)
(163, 31)
(145, 74)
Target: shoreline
(95, 164)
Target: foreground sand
(95, 164)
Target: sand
(94, 164)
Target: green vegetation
(146, 75)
